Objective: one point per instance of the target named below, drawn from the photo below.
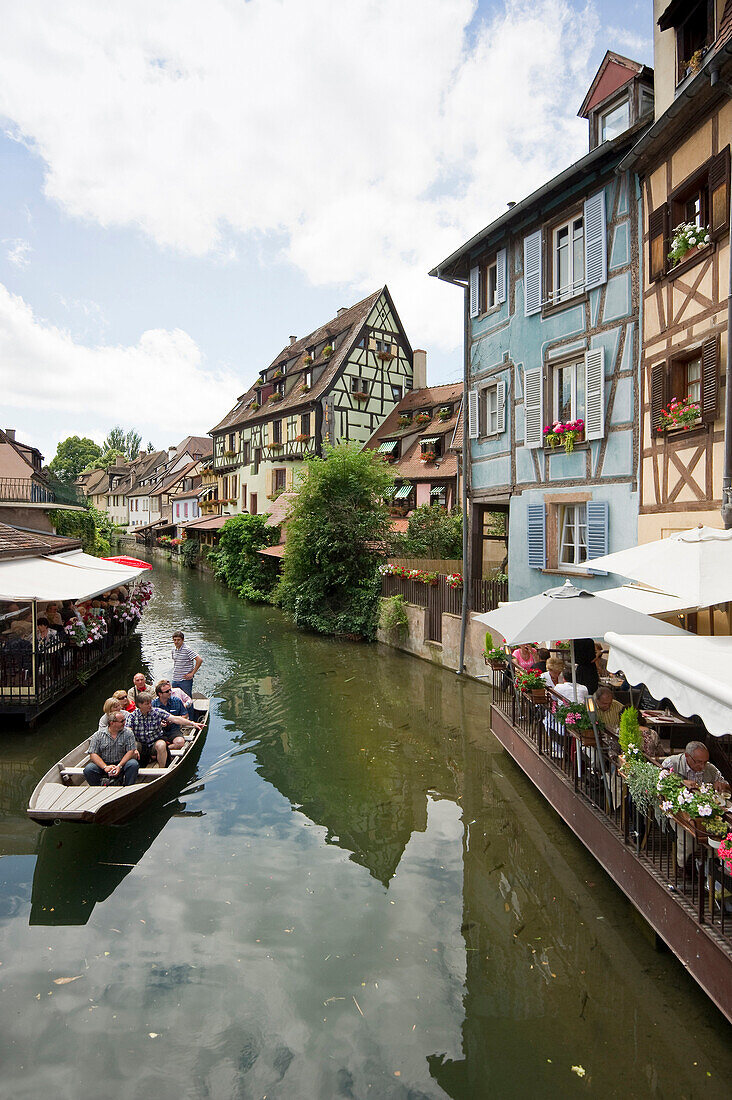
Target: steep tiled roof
(196, 444)
(344, 328)
(21, 544)
(410, 465)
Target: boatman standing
(186, 664)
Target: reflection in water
(375, 904)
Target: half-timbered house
(684, 164)
(552, 300)
(336, 384)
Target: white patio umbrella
(569, 612)
(694, 565)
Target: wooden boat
(64, 794)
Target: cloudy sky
(184, 185)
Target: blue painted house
(552, 298)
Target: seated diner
(694, 767)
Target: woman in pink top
(525, 656)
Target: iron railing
(24, 490)
(442, 598)
(695, 878)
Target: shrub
(336, 539)
(189, 550)
(629, 734)
(237, 561)
(394, 616)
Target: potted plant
(531, 683)
(229, 453)
(428, 456)
(327, 351)
(258, 383)
(725, 851)
(680, 414)
(275, 446)
(693, 809)
(302, 438)
(304, 388)
(385, 353)
(275, 396)
(277, 373)
(254, 406)
(717, 830)
(423, 418)
(360, 395)
(444, 414)
(494, 656)
(404, 420)
(686, 238)
(564, 433)
(308, 359)
(454, 580)
(576, 720)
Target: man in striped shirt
(186, 664)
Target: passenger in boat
(139, 684)
(186, 663)
(169, 699)
(112, 754)
(150, 725)
(111, 706)
(125, 702)
(694, 767)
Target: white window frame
(604, 115)
(578, 368)
(574, 287)
(572, 515)
(491, 267)
(489, 396)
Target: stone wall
(444, 653)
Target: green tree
(336, 538)
(115, 441)
(150, 447)
(237, 561)
(93, 527)
(133, 440)
(73, 455)
(432, 533)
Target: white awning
(646, 600)
(387, 447)
(403, 491)
(58, 578)
(691, 671)
(124, 574)
(429, 439)
(437, 490)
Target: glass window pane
(492, 286)
(693, 380)
(615, 121)
(562, 260)
(578, 254)
(563, 410)
(580, 404)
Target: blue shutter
(532, 273)
(595, 241)
(473, 417)
(597, 523)
(475, 291)
(501, 276)
(536, 535)
(533, 402)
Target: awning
(438, 490)
(390, 490)
(54, 578)
(429, 439)
(273, 551)
(691, 671)
(403, 491)
(387, 448)
(645, 600)
(77, 558)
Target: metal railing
(442, 598)
(24, 490)
(694, 876)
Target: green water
(357, 894)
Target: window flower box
(444, 414)
(454, 580)
(305, 388)
(277, 373)
(255, 405)
(680, 415)
(258, 383)
(327, 351)
(229, 454)
(302, 438)
(422, 418)
(428, 456)
(308, 360)
(275, 446)
(404, 421)
(564, 434)
(274, 397)
(496, 658)
(360, 395)
(687, 238)
(385, 354)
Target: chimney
(293, 340)
(10, 433)
(419, 376)
(342, 310)
(172, 453)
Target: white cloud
(18, 252)
(372, 137)
(160, 383)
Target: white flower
(705, 810)
(667, 806)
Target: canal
(355, 894)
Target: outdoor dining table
(679, 731)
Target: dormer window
(615, 120)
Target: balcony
(20, 490)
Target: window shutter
(532, 273)
(658, 395)
(595, 241)
(658, 244)
(719, 192)
(473, 414)
(474, 291)
(501, 403)
(501, 276)
(710, 379)
(533, 401)
(597, 517)
(536, 535)
(595, 393)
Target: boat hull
(54, 801)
